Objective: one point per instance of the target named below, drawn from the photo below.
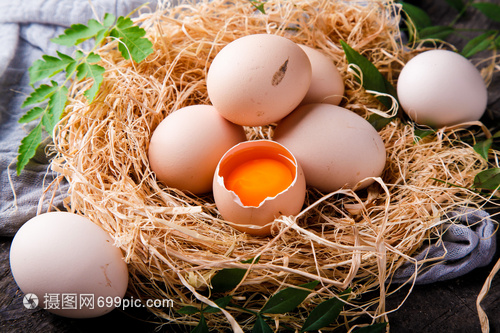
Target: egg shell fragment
(63, 253)
(258, 79)
(334, 146)
(250, 219)
(187, 145)
(327, 85)
(441, 88)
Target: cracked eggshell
(255, 220)
(258, 79)
(335, 146)
(63, 253)
(327, 85)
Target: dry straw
(175, 242)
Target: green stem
(244, 309)
(465, 188)
(460, 14)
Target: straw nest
(174, 242)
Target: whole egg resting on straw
(442, 88)
(335, 147)
(259, 80)
(187, 145)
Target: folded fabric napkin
(468, 243)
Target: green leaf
(202, 326)
(48, 66)
(57, 103)
(93, 58)
(456, 4)
(439, 32)
(40, 94)
(109, 20)
(378, 122)
(31, 115)
(375, 328)
(221, 302)
(488, 179)
(479, 43)
(490, 10)
(88, 69)
(324, 314)
(261, 326)
(259, 5)
(188, 310)
(483, 147)
(96, 73)
(256, 259)
(78, 33)
(417, 15)
(28, 147)
(228, 278)
(288, 299)
(133, 43)
(419, 134)
(372, 78)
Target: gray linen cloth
(26, 28)
(467, 243)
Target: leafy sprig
(422, 29)
(374, 82)
(284, 301)
(420, 26)
(132, 43)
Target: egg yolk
(255, 180)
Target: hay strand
(175, 242)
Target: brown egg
(187, 145)
(257, 182)
(334, 146)
(258, 79)
(327, 85)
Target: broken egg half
(256, 182)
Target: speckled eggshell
(258, 79)
(63, 253)
(335, 147)
(441, 88)
(187, 145)
(327, 85)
